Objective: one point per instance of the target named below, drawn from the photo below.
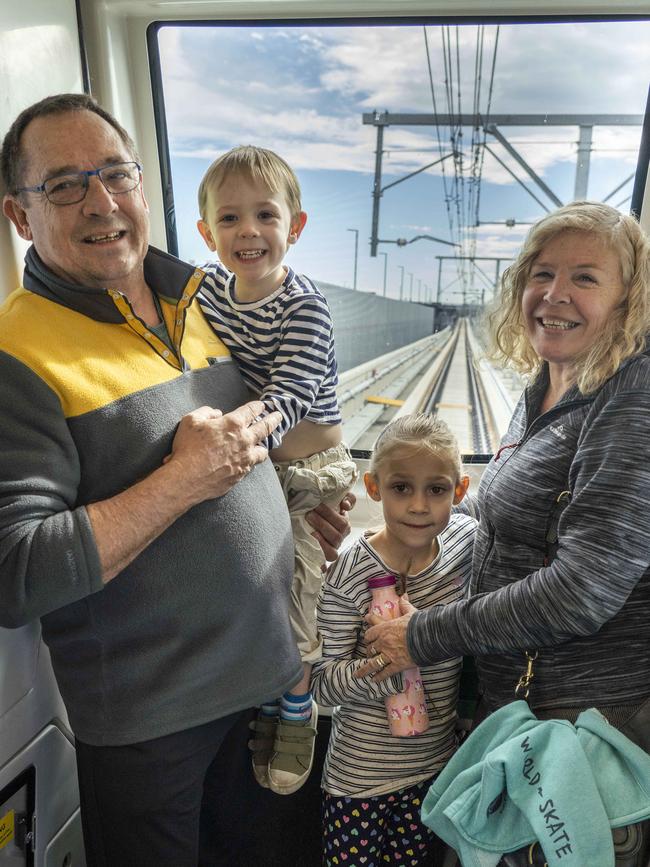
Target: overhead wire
(479, 152)
(462, 191)
(446, 55)
(438, 136)
(486, 121)
(453, 138)
(474, 149)
(450, 186)
(474, 142)
(459, 133)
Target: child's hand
(386, 644)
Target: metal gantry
(585, 122)
(497, 270)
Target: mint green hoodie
(517, 779)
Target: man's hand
(386, 644)
(213, 451)
(331, 527)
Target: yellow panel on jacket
(131, 358)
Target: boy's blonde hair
(419, 431)
(627, 329)
(258, 164)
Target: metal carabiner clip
(523, 685)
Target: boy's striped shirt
(283, 345)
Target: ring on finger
(380, 661)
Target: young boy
(278, 328)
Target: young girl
(374, 783)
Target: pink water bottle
(407, 711)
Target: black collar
(166, 275)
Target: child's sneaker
(261, 745)
(293, 754)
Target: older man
(139, 518)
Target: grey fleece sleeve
(604, 550)
(48, 556)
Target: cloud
(413, 228)
(500, 245)
(564, 67)
(303, 90)
(573, 67)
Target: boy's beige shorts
(321, 478)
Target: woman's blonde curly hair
(625, 333)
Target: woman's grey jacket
(588, 611)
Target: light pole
(385, 255)
(356, 254)
(401, 283)
(419, 288)
(411, 287)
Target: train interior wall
(39, 55)
(367, 325)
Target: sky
(301, 91)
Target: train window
(424, 151)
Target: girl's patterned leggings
(376, 831)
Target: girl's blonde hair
(257, 164)
(627, 329)
(419, 431)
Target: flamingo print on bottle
(406, 712)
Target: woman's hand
(331, 527)
(386, 643)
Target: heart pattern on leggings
(375, 827)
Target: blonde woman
(562, 555)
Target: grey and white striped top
(363, 758)
(283, 346)
(588, 610)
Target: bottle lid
(381, 581)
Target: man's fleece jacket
(195, 627)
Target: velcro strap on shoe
(299, 733)
(292, 748)
(263, 728)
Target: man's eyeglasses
(69, 189)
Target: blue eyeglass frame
(85, 174)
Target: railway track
(444, 375)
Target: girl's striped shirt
(363, 758)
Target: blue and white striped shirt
(283, 345)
